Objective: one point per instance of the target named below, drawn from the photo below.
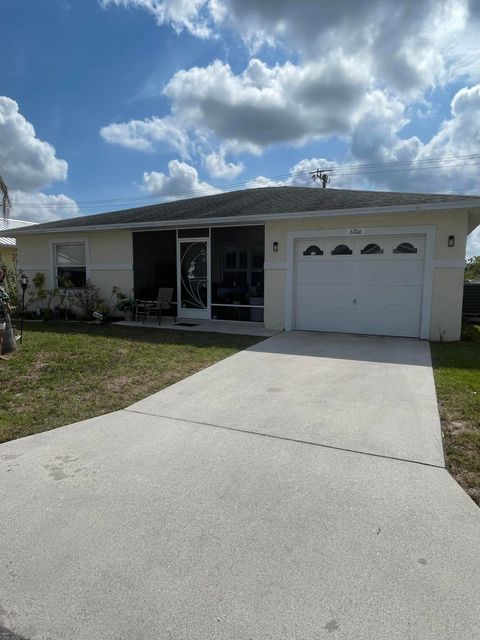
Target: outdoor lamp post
(24, 285)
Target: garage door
(367, 285)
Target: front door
(193, 271)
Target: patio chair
(146, 308)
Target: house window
(371, 249)
(236, 259)
(70, 265)
(342, 250)
(313, 250)
(405, 247)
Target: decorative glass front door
(193, 274)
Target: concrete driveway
(293, 491)
(365, 393)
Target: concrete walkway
(231, 327)
(293, 491)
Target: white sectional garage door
(369, 285)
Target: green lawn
(457, 378)
(65, 372)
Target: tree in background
(6, 204)
(472, 271)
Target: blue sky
(106, 104)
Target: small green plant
(470, 333)
(44, 299)
(125, 302)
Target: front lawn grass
(66, 372)
(457, 378)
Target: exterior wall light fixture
(275, 246)
(451, 241)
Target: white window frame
(53, 258)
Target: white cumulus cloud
(182, 181)
(251, 110)
(28, 164)
(40, 207)
(265, 105)
(380, 158)
(407, 46)
(145, 135)
(403, 43)
(218, 167)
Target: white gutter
(260, 218)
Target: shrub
(87, 299)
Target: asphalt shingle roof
(256, 202)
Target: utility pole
(322, 175)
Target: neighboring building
(8, 249)
(296, 258)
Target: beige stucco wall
(447, 292)
(110, 257)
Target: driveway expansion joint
(286, 439)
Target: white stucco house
(290, 257)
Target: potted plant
(126, 303)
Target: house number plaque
(354, 232)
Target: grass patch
(66, 372)
(457, 378)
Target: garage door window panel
(372, 249)
(342, 250)
(405, 247)
(313, 250)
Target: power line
(345, 170)
(353, 173)
(352, 169)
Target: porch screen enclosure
(215, 272)
(237, 273)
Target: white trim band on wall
(33, 267)
(111, 267)
(449, 264)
